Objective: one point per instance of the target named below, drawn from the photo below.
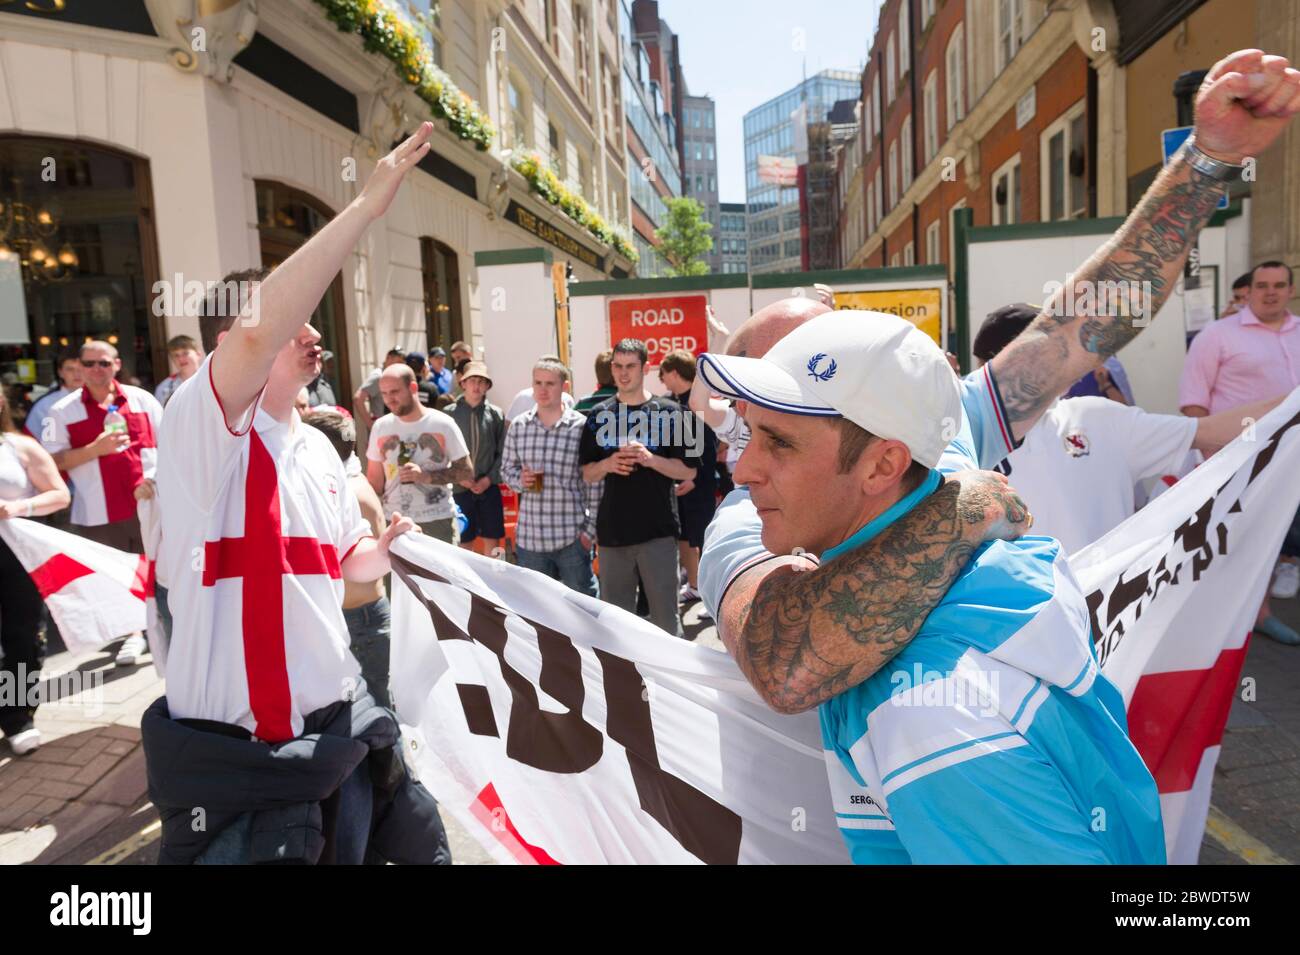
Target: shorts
(484, 512)
(693, 519)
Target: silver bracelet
(1207, 165)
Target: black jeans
(21, 612)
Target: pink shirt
(1239, 359)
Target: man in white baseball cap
(991, 737)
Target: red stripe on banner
(1174, 717)
(143, 585)
(488, 810)
(56, 573)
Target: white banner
(566, 730)
(95, 593)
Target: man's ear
(886, 461)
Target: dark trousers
(21, 613)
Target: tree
(684, 238)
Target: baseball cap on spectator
(438, 352)
(1001, 327)
(879, 371)
(476, 369)
(416, 360)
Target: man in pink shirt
(1248, 356)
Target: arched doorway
(440, 271)
(286, 219)
(78, 260)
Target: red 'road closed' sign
(665, 324)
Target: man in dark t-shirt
(639, 446)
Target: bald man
(416, 455)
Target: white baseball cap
(878, 370)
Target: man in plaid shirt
(557, 508)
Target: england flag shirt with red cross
(256, 522)
(104, 487)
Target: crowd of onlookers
(610, 492)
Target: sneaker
(1286, 580)
(133, 648)
(688, 593)
(1275, 629)
(704, 612)
(25, 742)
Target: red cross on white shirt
(261, 558)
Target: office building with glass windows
(775, 238)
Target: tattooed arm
(801, 635)
(1243, 104)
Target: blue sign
(1170, 140)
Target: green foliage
(543, 181)
(684, 238)
(385, 32)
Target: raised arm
(286, 298)
(802, 636)
(1245, 101)
(1213, 431)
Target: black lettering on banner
(553, 742)
(566, 743)
(1194, 536)
(702, 826)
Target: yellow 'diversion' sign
(923, 307)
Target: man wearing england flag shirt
(104, 435)
(267, 723)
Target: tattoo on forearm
(461, 470)
(1121, 288)
(812, 634)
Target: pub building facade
(148, 143)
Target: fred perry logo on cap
(826, 375)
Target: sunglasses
(102, 363)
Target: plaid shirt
(567, 505)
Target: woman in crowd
(30, 486)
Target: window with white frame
(875, 108)
(930, 102)
(1010, 20)
(906, 145)
(583, 174)
(871, 208)
(880, 198)
(1006, 192)
(426, 15)
(710, 152)
(893, 174)
(904, 38)
(932, 243)
(893, 261)
(552, 13)
(519, 109)
(909, 254)
(928, 9)
(1063, 161)
(556, 142)
(582, 49)
(955, 64)
(891, 61)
